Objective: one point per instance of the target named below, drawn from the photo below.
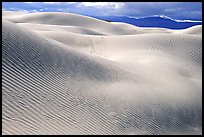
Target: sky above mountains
(175, 10)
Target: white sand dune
(70, 74)
(67, 19)
(12, 13)
(73, 29)
(196, 30)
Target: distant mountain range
(152, 21)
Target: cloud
(115, 5)
(165, 17)
(41, 9)
(172, 10)
(176, 10)
(51, 2)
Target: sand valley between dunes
(64, 73)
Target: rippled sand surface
(64, 73)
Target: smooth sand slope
(70, 74)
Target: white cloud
(28, 11)
(60, 9)
(71, 2)
(41, 9)
(114, 5)
(59, 2)
(177, 10)
(34, 11)
(43, 2)
(52, 2)
(24, 11)
(165, 17)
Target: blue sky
(175, 10)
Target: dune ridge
(70, 74)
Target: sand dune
(12, 13)
(73, 29)
(67, 19)
(196, 30)
(70, 74)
